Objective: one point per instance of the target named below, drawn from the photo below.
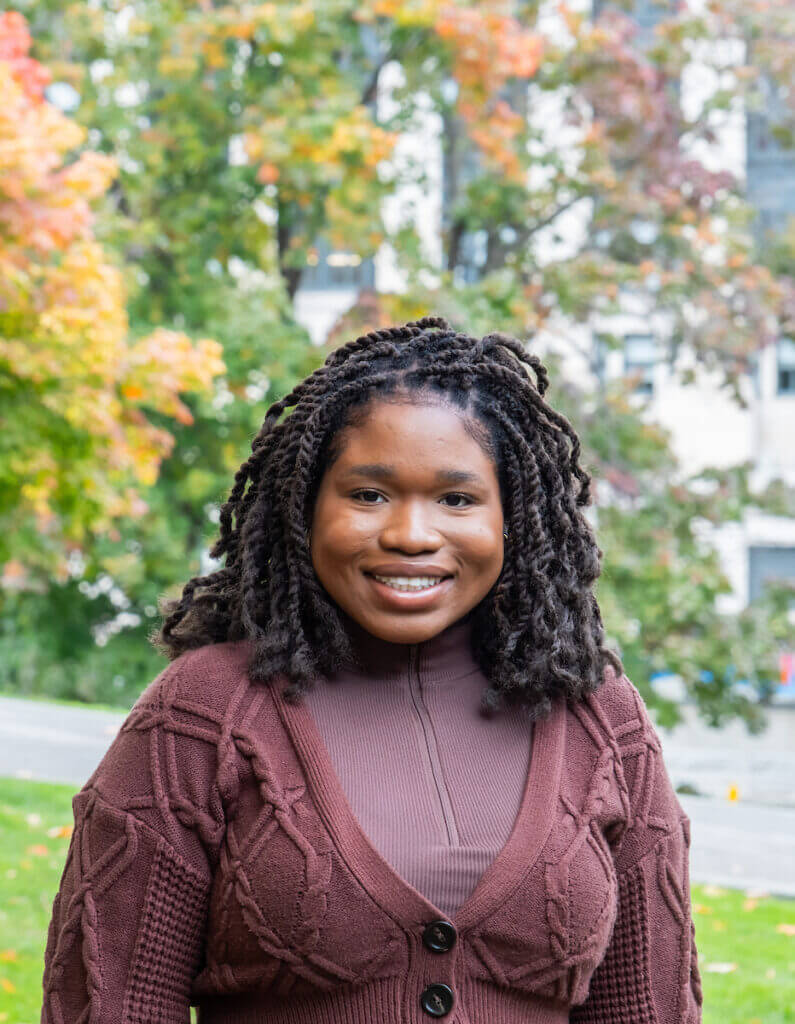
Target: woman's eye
(367, 496)
(461, 500)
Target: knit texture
(216, 861)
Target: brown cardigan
(216, 860)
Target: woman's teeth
(409, 582)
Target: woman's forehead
(401, 435)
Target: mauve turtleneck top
(434, 783)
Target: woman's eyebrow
(458, 476)
(375, 469)
(443, 476)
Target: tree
(77, 445)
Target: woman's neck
(446, 655)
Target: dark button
(439, 936)
(437, 1000)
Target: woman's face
(407, 525)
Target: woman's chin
(404, 628)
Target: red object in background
(786, 665)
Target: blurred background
(199, 199)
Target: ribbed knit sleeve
(649, 974)
(126, 936)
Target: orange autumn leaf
(267, 174)
(7, 986)
(38, 850)
(8, 955)
(60, 831)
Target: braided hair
(537, 634)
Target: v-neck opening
(395, 894)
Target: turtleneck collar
(446, 656)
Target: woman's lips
(408, 600)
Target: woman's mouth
(408, 592)
(409, 584)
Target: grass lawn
(746, 941)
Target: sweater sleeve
(649, 974)
(126, 936)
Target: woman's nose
(410, 528)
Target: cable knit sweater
(216, 860)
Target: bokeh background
(199, 199)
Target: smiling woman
(391, 772)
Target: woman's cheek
(483, 544)
(349, 532)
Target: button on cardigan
(216, 860)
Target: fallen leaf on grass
(770, 973)
(6, 986)
(701, 908)
(8, 955)
(39, 850)
(719, 926)
(33, 819)
(750, 904)
(785, 929)
(720, 968)
(26, 864)
(60, 831)
(714, 890)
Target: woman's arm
(649, 974)
(127, 931)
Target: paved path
(52, 742)
(762, 767)
(744, 845)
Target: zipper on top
(431, 747)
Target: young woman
(391, 771)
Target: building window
(766, 564)
(640, 358)
(328, 269)
(785, 376)
(600, 346)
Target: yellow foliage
(64, 332)
(418, 13)
(177, 66)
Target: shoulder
(176, 731)
(204, 680)
(614, 717)
(621, 712)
